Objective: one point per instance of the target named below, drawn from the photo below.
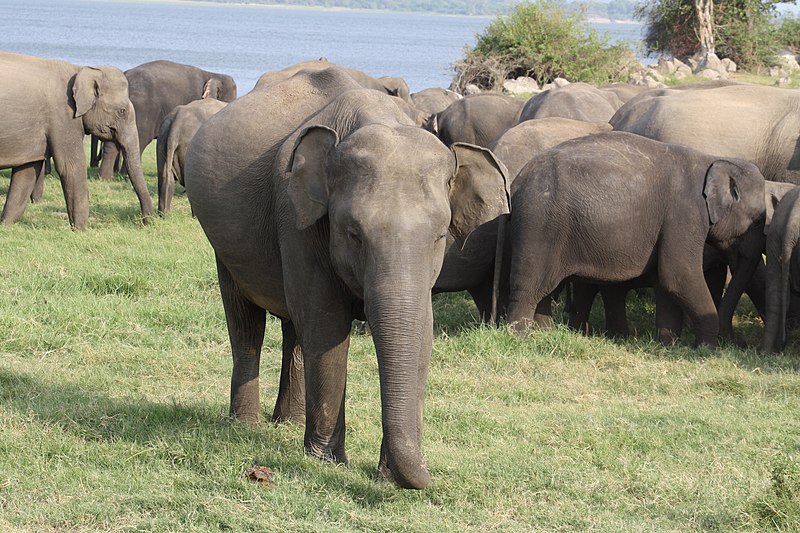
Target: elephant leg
(23, 181)
(482, 296)
(614, 298)
(583, 295)
(291, 403)
(94, 155)
(776, 299)
(109, 160)
(38, 188)
(669, 318)
(246, 323)
(757, 289)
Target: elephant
(715, 269)
(614, 206)
(46, 108)
(174, 136)
(434, 100)
(156, 88)
(578, 101)
(392, 86)
(758, 123)
(477, 119)
(527, 139)
(325, 203)
(783, 269)
(472, 268)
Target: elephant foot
(416, 477)
(326, 454)
(667, 337)
(251, 419)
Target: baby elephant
(612, 207)
(174, 136)
(783, 268)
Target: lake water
(245, 41)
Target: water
(244, 41)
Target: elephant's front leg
(321, 312)
(246, 323)
(23, 181)
(291, 402)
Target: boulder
(729, 65)
(560, 82)
(709, 74)
(471, 89)
(787, 60)
(521, 85)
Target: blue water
(244, 41)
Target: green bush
(787, 33)
(544, 41)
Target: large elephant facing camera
(158, 87)
(613, 207)
(324, 203)
(46, 108)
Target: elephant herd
(329, 195)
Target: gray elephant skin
(615, 206)
(156, 88)
(783, 268)
(758, 123)
(477, 119)
(578, 101)
(434, 99)
(53, 105)
(324, 203)
(174, 136)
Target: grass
(114, 372)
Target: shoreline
(590, 20)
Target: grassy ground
(114, 370)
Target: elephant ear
(720, 190)
(212, 88)
(308, 174)
(478, 190)
(86, 89)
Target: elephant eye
(353, 235)
(122, 111)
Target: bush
(544, 41)
(743, 29)
(787, 33)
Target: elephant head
(212, 88)
(101, 101)
(391, 195)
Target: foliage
(787, 33)
(544, 41)
(743, 31)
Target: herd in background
(329, 195)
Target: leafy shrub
(787, 33)
(544, 41)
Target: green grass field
(114, 372)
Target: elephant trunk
(402, 329)
(128, 140)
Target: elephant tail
(169, 170)
(502, 228)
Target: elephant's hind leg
(291, 403)
(246, 323)
(23, 181)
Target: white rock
(729, 65)
(709, 74)
(560, 82)
(471, 89)
(521, 85)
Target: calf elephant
(174, 136)
(156, 88)
(783, 268)
(46, 108)
(578, 101)
(612, 207)
(434, 100)
(325, 203)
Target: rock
(784, 81)
(729, 65)
(709, 62)
(787, 60)
(653, 73)
(653, 84)
(471, 89)
(521, 85)
(709, 74)
(680, 65)
(777, 72)
(666, 66)
(560, 82)
(682, 74)
(636, 78)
